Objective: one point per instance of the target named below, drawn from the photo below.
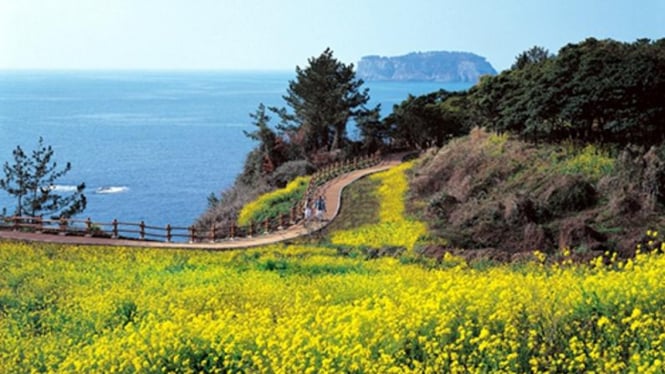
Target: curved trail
(331, 191)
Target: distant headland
(438, 66)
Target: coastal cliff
(438, 66)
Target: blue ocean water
(150, 146)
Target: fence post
(88, 226)
(192, 234)
(232, 231)
(14, 223)
(168, 233)
(115, 228)
(211, 233)
(266, 225)
(251, 229)
(282, 222)
(142, 230)
(63, 226)
(39, 224)
(293, 214)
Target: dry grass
(490, 191)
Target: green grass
(360, 206)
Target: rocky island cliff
(441, 66)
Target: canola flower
(590, 161)
(393, 229)
(305, 309)
(288, 195)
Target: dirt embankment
(503, 197)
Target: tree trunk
(338, 136)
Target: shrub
(570, 194)
(289, 171)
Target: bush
(288, 171)
(442, 205)
(225, 212)
(569, 194)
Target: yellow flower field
(267, 202)
(300, 309)
(393, 228)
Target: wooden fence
(141, 231)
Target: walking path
(331, 192)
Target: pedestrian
(320, 208)
(308, 211)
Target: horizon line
(156, 70)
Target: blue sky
(278, 35)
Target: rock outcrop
(446, 67)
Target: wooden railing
(90, 228)
(168, 233)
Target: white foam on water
(63, 188)
(107, 190)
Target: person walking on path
(308, 211)
(320, 208)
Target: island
(437, 66)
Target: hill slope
(489, 191)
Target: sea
(150, 145)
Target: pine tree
(31, 180)
(324, 97)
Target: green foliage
(31, 180)
(126, 312)
(594, 91)
(290, 170)
(323, 98)
(271, 146)
(374, 132)
(213, 200)
(571, 194)
(425, 121)
(535, 55)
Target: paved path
(331, 191)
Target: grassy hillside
(490, 192)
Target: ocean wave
(63, 188)
(107, 190)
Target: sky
(281, 34)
